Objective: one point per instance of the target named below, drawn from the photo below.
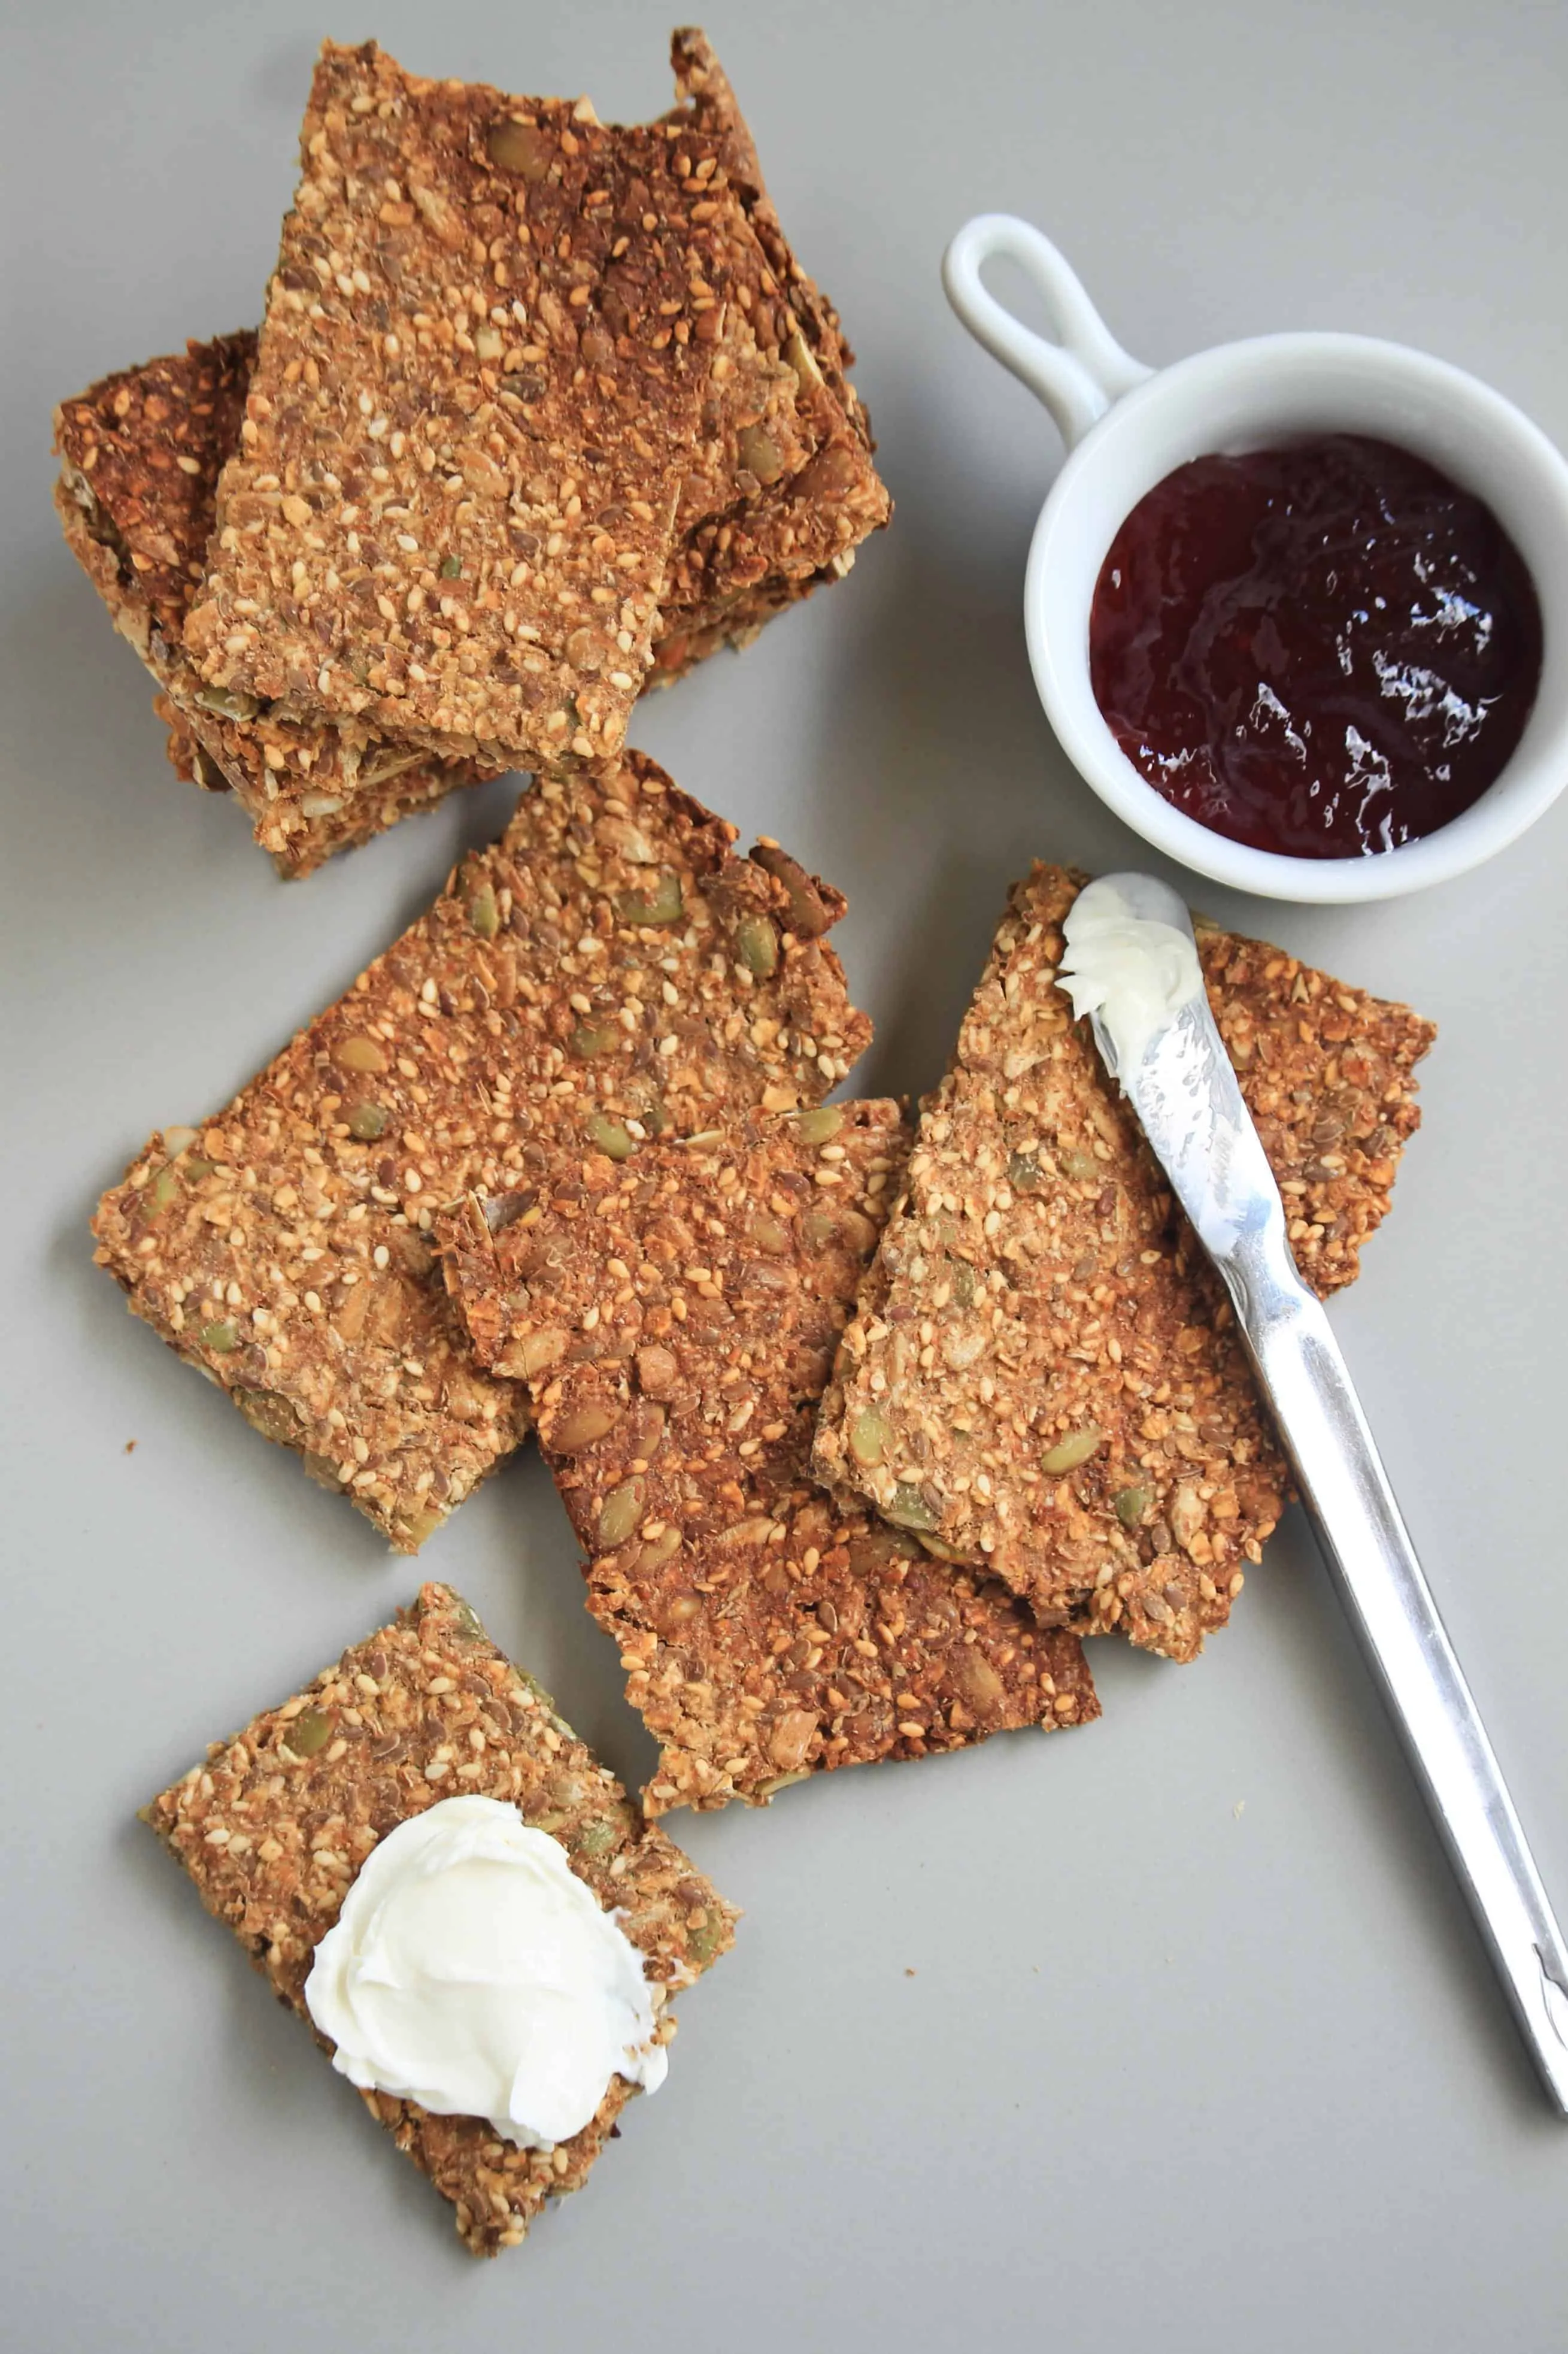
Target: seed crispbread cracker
(799, 506)
(674, 1318)
(299, 833)
(141, 453)
(467, 418)
(274, 1825)
(1044, 1372)
(609, 970)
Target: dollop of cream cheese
(1133, 972)
(471, 1971)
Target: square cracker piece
(609, 969)
(274, 1825)
(140, 454)
(675, 1319)
(478, 374)
(1043, 1371)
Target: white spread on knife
(1134, 972)
(470, 1970)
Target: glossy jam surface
(1327, 650)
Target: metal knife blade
(1184, 1091)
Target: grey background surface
(1200, 2050)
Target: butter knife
(1180, 1082)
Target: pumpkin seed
(758, 942)
(591, 1038)
(937, 1547)
(809, 915)
(702, 1944)
(760, 454)
(613, 1140)
(870, 1437)
(360, 1054)
(308, 1732)
(620, 1511)
(663, 905)
(1075, 1448)
(519, 147)
(656, 1552)
(540, 1350)
(580, 1427)
(227, 704)
(596, 1837)
(908, 1508)
(1131, 1504)
(982, 1686)
(272, 1415)
(802, 359)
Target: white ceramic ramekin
(1126, 428)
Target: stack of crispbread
(540, 411)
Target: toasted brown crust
(1043, 1370)
(274, 1825)
(584, 973)
(142, 449)
(675, 1319)
(467, 419)
(141, 454)
(299, 844)
(799, 506)
(708, 99)
(732, 625)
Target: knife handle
(1368, 1551)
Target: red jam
(1328, 649)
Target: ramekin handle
(1080, 374)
